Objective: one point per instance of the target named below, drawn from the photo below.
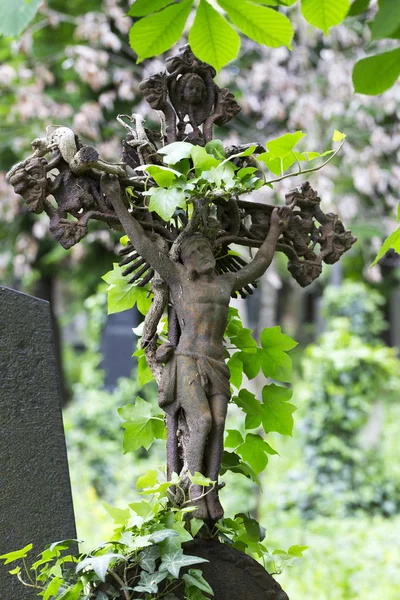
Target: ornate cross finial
(188, 96)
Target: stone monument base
(232, 574)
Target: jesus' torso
(202, 310)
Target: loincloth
(212, 374)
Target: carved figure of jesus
(195, 378)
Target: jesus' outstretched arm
(257, 267)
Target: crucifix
(186, 258)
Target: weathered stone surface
(232, 574)
(35, 493)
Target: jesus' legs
(215, 447)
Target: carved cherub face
(30, 182)
(197, 256)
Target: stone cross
(35, 492)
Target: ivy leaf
(148, 582)
(255, 452)
(193, 593)
(98, 564)
(325, 14)
(216, 148)
(235, 366)
(141, 8)
(143, 370)
(387, 20)
(17, 554)
(392, 242)
(275, 362)
(52, 588)
(211, 37)
(202, 161)
(174, 561)
(149, 479)
(277, 415)
(15, 15)
(276, 165)
(297, 550)
(142, 427)
(163, 176)
(156, 33)
(165, 201)
(148, 558)
(199, 479)
(376, 74)
(195, 525)
(121, 516)
(283, 145)
(232, 462)
(338, 136)
(261, 24)
(195, 578)
(160, 536)
(233, 439)
(122, 295)
(251, 406)
(175, 152)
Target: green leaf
(392, 242)
(255, 452)
(174, 561)
(278, 166)
(17, 554)
(141, 8)
(165, 201)
(121, 516)
(216, 148)
(163, 534)
(211, 38)
(199, 479)
(233, 439)
(122, 295)
(261, 24)
(15, 571)
(149, 479)
(155, 34)
(232, 462)
(15, 15)
(358, 7)
(202, 161)
(53, 588)
(277, 415)
(251, 406)
(325, 14)
(193, 593)
(275, 362)
(387, 20)
(195, 578)
(148, 582)
(375, 74)
(124, 240)
(297, 550)
(338, 136)
(142, 427)
(99, 564)
(143, 370)
(195, 525)
(163, 176)
(283, 145)
(148, 558)
(235, 366)
(175, 152)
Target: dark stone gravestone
(35, 492)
